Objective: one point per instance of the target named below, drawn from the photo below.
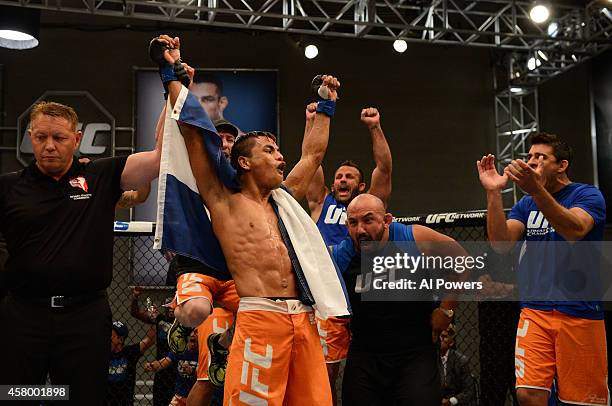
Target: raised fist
(332, 84)
(173, 45)
(311, 111)
(370, 117)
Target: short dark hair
(208, 77)
(243, 146)
(561, 150)
(352, 164)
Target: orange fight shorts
(195, 285)
(276, 358)
(335, 338)
(218, 322)
(553, 344)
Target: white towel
(323, 279)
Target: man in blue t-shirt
(122, 364)
(559, 335)
(186, 368)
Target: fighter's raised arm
(380, 185)
(314, 144)
(209, 185)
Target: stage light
(514, 89)
(400, 45)
(311, 51)
(553, 29)
(533, 63)
(542, 55)
(19, 27)
(539, 13)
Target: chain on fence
(485, 331)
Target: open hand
(487, 172)
(526, 177)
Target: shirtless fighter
(276, 356)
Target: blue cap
(120, 328)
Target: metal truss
(516, 118)
(584, 29)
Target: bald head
(366, 220)
(366, 202)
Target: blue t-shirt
(186, 371)
(122, 375)
(331, 222)
(543, 268)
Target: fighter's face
(228, 140)
(266, 163)
(347, 184)
(366, 225)
(551, 167)
(210, 99)
(116, 342)
(54, 142)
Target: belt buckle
(55, 300)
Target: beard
(348, 199)
(366, 238)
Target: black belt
(61, 302)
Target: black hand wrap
(181, 73)
(317, 81)
(167, 72)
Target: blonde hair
(55, 110)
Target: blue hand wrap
(167, 74)
(327, 107)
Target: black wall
(565, 110)
(436, 101)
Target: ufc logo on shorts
(254, 362)
(519, 353)
(335, 215)
(219, 329)
(191, 283)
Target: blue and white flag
(183, 221)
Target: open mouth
(281, 168)
(343, 189)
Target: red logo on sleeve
(79, 182)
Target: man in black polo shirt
(56, 216)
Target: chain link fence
(485, 331)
